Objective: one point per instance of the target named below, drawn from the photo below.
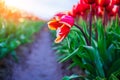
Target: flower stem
(104, 18)
(118, 11)
(83, 34)
(90, 24)
(118, 14)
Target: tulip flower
(116, 2)
(62, 24)
(83, 7)
(75, 10)
(112, 10)
(89, 1)
(80, 9)
(103, 3)
(99, 11)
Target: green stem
(83, 34)
(96, 31)
(104, 18)
(90, 24)
(118, 14)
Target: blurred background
(45, 9)
(25, 42)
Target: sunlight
(42, 8)
(13, 2)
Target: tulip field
(85, 40)
(13, 35)
(88, 35)
(16, 29)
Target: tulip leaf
(94, 55)
(70, 55)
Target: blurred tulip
(116, 2)
(80, 8)
(99, 11)
(89, 1)
(103, 3)
(112, 10)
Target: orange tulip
(62, 24)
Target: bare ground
(37, 60)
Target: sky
(44, 9)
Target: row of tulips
(16, 28)
(88, 35)
(15, 14)
(13, 35)
(87, 9)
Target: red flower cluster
(116, 2)
(62, 22)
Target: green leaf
(72, 65)
(90, 51)
(113, 77)
(94, 54)
(70, 55)
(115, 66)
(14, 44)
(101, 41)
(110, 51)
(3, 52)
(14, 55)
(90, 68)
(66, 78)
(70, 77)
(99, 78)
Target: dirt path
(38, 61)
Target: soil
(5, 69)
(37, 60)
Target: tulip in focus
(62, 23)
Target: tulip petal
(60, 14)
(62, 32)
(67, 20)
(59, 39)
(53, 24)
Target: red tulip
(112, 10)
(80, 8)
(62, 24)
(100, 11)
(116, 2)
(103, 3)
(89, 1)
(75, 10)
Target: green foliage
(13, 35)
(70, 77)
(101, 60)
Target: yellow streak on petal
(66, 24)
(59, 39)
(50, 26)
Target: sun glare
(41, 8)
(13, 2)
